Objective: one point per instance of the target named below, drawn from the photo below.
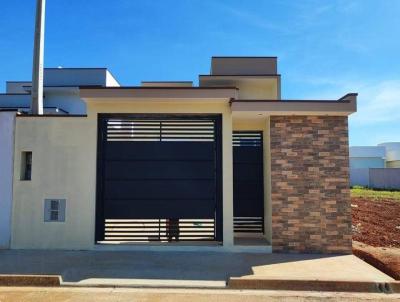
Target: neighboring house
(227, 165)
(367, 157)
(375, 166)
(392, 154)
(61, 90)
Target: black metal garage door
(157, 176)
(248, 180)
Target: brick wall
(310, 193)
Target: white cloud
(378, 103)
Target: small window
(54, 210)
(26, 165)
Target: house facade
(226, 165)
(375, 166)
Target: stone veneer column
(310, 193)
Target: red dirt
(376, 223)
(376, 233)
(385, 259)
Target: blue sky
(325, 48)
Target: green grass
(358, 191)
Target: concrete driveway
(183, 269)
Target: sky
(325, 48)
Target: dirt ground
(376, 233)
(376, 222)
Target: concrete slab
(334, 268)
(183, 269)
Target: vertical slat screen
(248, 140)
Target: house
(375, 166)
(362, 157)
(392, 154)
(226, 165)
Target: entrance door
(248, 180)
(159, 178)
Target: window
(54, 210)
(26, 165)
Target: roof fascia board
(344, 106)
(93, 94)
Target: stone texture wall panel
(310, 195)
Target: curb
(30, 280)
(315, 285)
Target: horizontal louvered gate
(159, 178)
(248, 192)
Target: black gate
(159, 178)
(248, 180)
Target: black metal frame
(101, 142)
(250, 224)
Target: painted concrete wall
(75, 76)
(366, 162)
(392, 150)
(393, 164)
(384, 178)
(258, 89)
(64, 166)
(359, 177)
(7, 125)
(15, 100)
(67, 99)
(367, 151)
(380, 178)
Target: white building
(392, 154)
(363, 157)
(374, 166)
(61, 90)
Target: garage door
(248, 190)
(159, 176)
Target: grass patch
(358, 191)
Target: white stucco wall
(366, 162)
(7, 125)
(67, 99)
(64, 166)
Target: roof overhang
(259, 108)
(92, 94)
(231, 80)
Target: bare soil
(376, 233)
(376, 222)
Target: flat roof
(136, 92)
(345, 105)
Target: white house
(226, 165)
(392, 154)
(375, 166)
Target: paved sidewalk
(22, 294)
(183, 269)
